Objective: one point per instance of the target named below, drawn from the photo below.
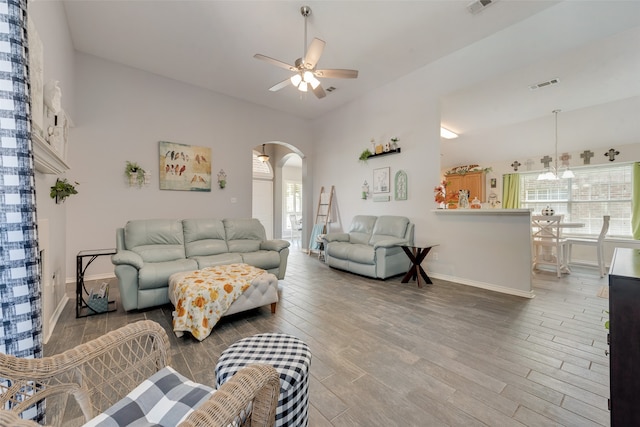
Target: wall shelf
(384, 153)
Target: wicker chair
(101, 372)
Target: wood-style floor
(390, 354)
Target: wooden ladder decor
(323, 216)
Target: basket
(99, 305)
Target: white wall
(50, 21)
(122, 114)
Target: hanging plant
(135, 173)
(62, 189)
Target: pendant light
(263, 157)
(551, 174)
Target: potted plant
(135, 173)
(365, 155)
(62, 189)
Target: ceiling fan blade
(319, 92)
(276, 87)
(337, 74)
(313, 53)
(275, 62)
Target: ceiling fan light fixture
(313, 82)
(296, 79)
(303, 86)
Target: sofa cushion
(244, 234)
(155, 274)
(360, 253)
(219, 259)
(262, 259)
(155, 240)
(394, 226)
(204, 236)
(361, 228)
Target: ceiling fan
(306, 75)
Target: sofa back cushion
(389, 226)
(244, 234)
(204, 236)
(361, 228)
(155, 240)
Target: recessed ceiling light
(447, 134)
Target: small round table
(291, 358)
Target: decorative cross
(529, 164)
(564, 159)
(546, 160)
(515, 165)
(612, 154)
(587, 155)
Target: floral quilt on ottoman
(201, 297)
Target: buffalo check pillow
(164, 399)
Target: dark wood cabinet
(624, 337)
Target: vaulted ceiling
(592, 47)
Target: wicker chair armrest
(257, 383)
(98, 373)
(12, 419)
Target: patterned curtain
(511, 191)
(20, 312)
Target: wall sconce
(222, 179)
(365, 190)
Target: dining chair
(296, 227)
(547, 236)
(586, 241)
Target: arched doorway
(278, 190)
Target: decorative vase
(548, 211)
(463, 199)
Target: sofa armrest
(127, 258)
(274, 245)
(390, 242)
(336, 237)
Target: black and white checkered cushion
(289, 356)
(164, 399)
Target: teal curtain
(635, 202)
(511, 191)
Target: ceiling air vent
(330, 89)
(479, 5)
(544, 84)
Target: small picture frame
(381, 180)
(493, 183)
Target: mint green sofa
(149, 251)
(371, 247)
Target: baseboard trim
(54, 318)
(483, 285)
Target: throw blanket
(201, 297)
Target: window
(595, 191)
(293, 201)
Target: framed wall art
(184, 167)
(401, 185)
(381, 180)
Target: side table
(82, 309)
(417, 253)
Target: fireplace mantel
(46, 158)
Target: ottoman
(289, 356)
